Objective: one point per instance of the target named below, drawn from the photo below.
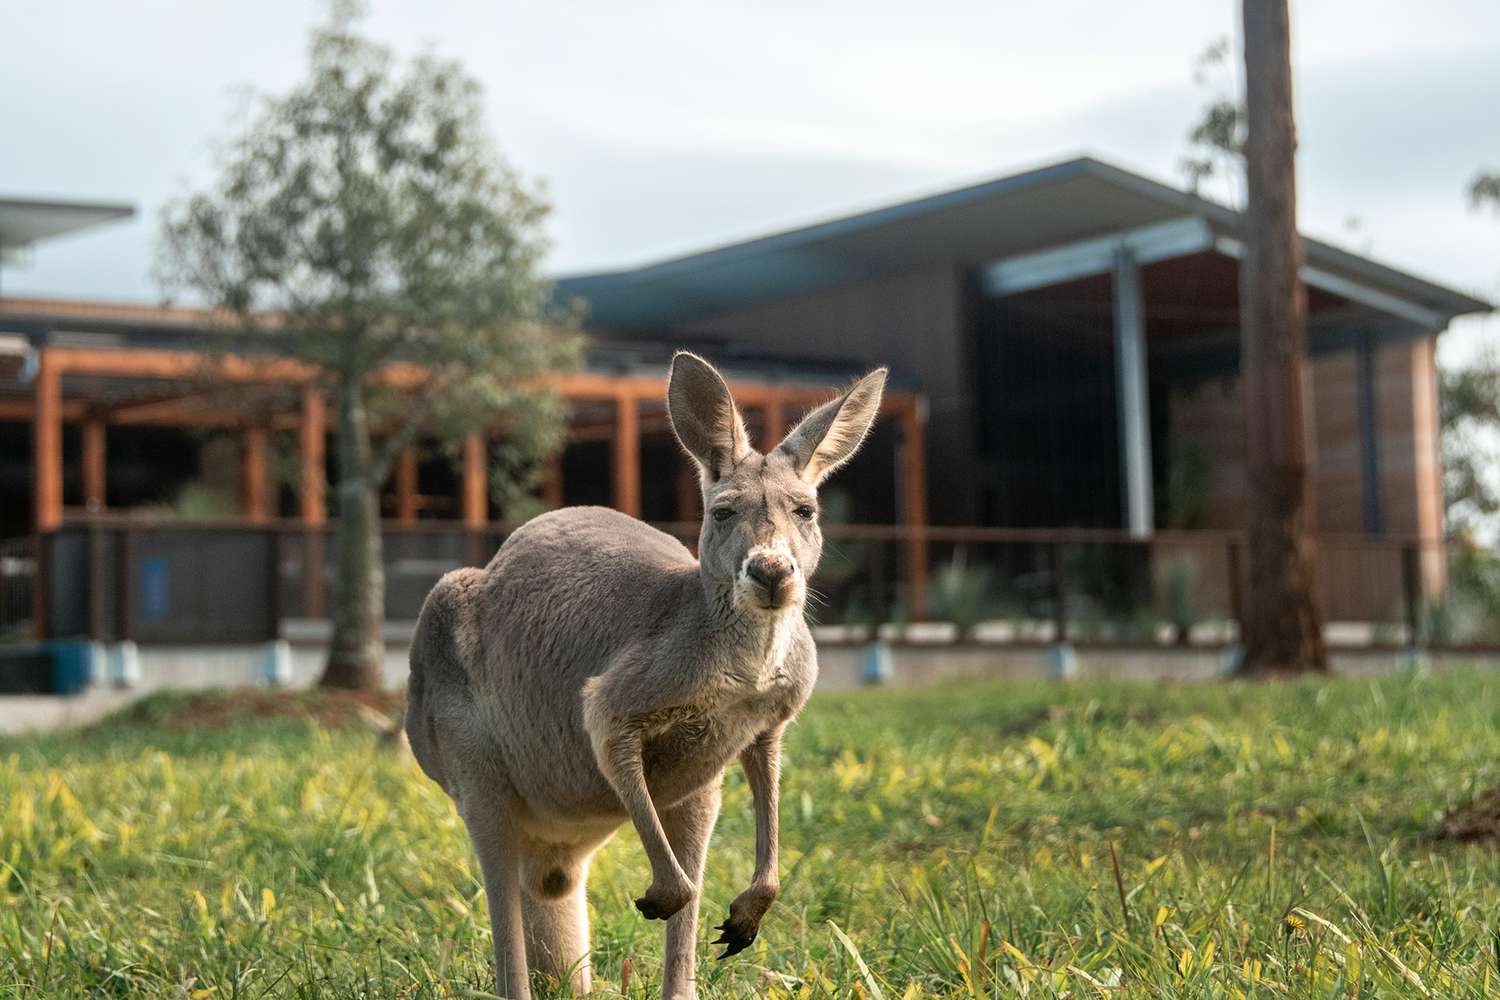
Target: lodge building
(1064, 350)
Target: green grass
(954, 842)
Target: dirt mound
(1475, 821)
(380, 710)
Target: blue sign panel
(155, 591)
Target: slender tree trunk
(1283, 630)
(357, 647)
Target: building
(1071, 327)
(1064, 349)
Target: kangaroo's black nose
(769, 571)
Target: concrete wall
(841, 666)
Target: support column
(689, 490)
(914, 502)
(94, 459)
(552, 485)
(1133, 397)
(1427, 469)
(46, 456)
(475, 485)
(254, 495)
(406, 486)
(627, 455)
(773, 423)
(312, 482)
(312, 489)
(1369, 439)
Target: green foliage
(1485, 189)
(1217, 139)
(1273, 841)
(1469, 610)
(1470, 415)
(364, 218)
(963, 594)
(1189, 476)
(1182, 602)
(198, 502)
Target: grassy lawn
(1272, 840)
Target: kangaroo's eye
(722, 514)
(804, 511)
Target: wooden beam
(406, 486)
(94, 461)
(254, 492)
(46, 455)
(23, 411)
(475, 484)
(914, 503)
(204, 366)
(312, 483)
(627, 455)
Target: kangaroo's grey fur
(595, 672)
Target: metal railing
(120, 576)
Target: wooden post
(475, 487)
(914, 502)
(1411, 593)
(1055, 556)
(406, 486)
(689, 489)
(1283, 627)
(627, 455)
(46, 458)
(312, 487)
(774, 423)
(552, 485)
(254, 493)
(312, 483)
(94, 463)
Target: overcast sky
(661, 126)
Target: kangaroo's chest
(686, 747)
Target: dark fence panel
(121, 577)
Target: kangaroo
(596, 672)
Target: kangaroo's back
(500, 655)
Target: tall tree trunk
(357, 647)
(1283, 630)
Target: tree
(1283, 629)
(1469, 398)
(363, 225)
(1470, 406)
(1217, 140)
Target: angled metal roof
(24, 221)
(1020, 213)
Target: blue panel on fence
(154, 587)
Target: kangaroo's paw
(664, 899)
(745, 913)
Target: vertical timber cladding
(1411, 488)
(914, 322)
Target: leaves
(364, 218)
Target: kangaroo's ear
(830, 435)
(703, 416)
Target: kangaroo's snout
(773, 574)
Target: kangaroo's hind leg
(556, 913)
(688, 825)
(496, 843)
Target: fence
(118, 577)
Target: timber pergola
(184, 396)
